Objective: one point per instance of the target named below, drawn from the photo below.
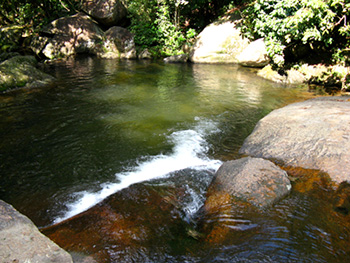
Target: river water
(107, 125)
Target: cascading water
(189, 152)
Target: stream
(113, 163)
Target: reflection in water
(109, 124)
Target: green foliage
(156, 23)
(34, 13)
(29, 16)
(170, 24)
(320, 25)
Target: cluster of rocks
(314, 134)
(84, 33)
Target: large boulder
(219, 43)
(118, 43)
(69, 36)
(314, 134)
(21, 71)
(254, 55)
(21, 241)
(253, 180)
(79, 34)
(107, 12)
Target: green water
(103, 118)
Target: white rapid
(189, 151)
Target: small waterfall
(189, 151)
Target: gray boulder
(21, 71)
(107, 12)
(21, 241)
(145, 54)
(118, 43)
(79, 34)
(254, 55)
(314, 134)
(68, 36)
(220, 42)
(253, 180)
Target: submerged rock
(219, 42)
(21, 241)
(342, 198)
(123, 227)
(21, 71)
(314, 134)
(253, 180)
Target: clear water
(107, 125)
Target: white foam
(189, 152)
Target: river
(107, 125)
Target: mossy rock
(21, 71)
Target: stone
(21, 241)
(183, 58)
(68, 36)
(253, 180)
(254, 55)
(292, 76)
(314, 134)
(220, 42)
(119, 43)
(342, 198)
(21, 71)
(106, 12)
(145, 54)
(125, 223)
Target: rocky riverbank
(21, 241)
(311, 136)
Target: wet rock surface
(145, 222)
(21, 241)
(314, 134)
(254, 180)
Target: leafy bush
(295, 28)
(156, 24)
(169, 24)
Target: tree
(293, 29)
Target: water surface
(107, 125)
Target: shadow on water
(127, 150)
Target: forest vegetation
(294, 30)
